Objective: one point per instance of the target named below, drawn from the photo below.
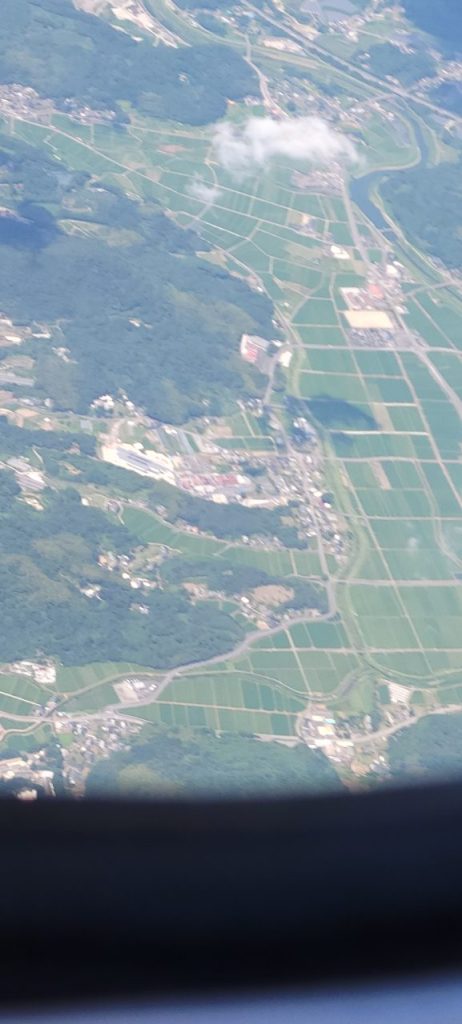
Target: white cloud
(91, 6)
(199, 189)
(244, 149)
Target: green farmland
(390, 438)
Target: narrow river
(362, 189)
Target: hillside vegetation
(427, 203)
(181, 356)
(431, 747)
(387, 59)
(47, 560)
(63, 52)
(442, 19)
(166, 763)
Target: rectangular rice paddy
(314, 334)
(317, 311)
(407, 419)
(443, 495)
(329, 361)
(426, 387)
(445, 426)
(374, 363)
(398, 503)
(336, 385)
(449, 364)
(375, 445)
(388, 390)
(443, 314)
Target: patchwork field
(395, 472)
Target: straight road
(345, 65)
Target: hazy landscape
(231, 394)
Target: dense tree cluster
(229, 522)
(442, 19)
(182, 357)
(36, 176)
(118, 481)
(449, 95)
(226, 577)
(232, 521)
(217, 574)
(387, 59)
(432, 747)
(14, 440)
(63, 52)
(46, 560)
(170, 762)
(426, 203)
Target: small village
(24, 103)
(355, 745)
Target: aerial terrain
(230, 394)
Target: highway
(354, 72)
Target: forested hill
(181, 357)
(429, 749)
(166, 763)
(441, 18)
(62, 52)
(47, 562)
(426, 202)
